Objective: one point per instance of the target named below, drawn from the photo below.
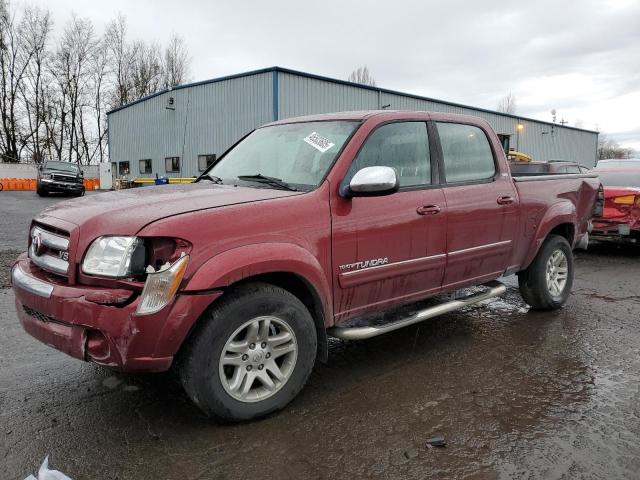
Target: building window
(172, 164)
(123, 168)
(145, 165)
(205, 161)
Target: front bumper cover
(77, 321)
(55, 186)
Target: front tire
(546, 283)
(42, 193)
(251, 355)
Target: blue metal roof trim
(351, 84)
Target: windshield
(64, 166)
(299, 154)
(620, 178)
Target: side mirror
(372, 181)
(41, 167)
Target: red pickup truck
(306, 228)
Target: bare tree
(507, 104)
(609, 148)
(36, 28)
(14, 59)
(72, 69)
(147, 73)
(121, 58)
(100, 72)
(54, 99)
(362, 76)
(176, 62)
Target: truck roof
(390, 114)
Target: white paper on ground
(45, 474)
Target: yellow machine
(516, 156)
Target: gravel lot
(516, 394)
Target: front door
(481, 206)
(390, 248)
(114, 172)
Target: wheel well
(299, 287)
(566, 230)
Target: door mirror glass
(372, 181)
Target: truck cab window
(466, 153)
(403, 146)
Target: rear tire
(546, 283)
(251, 354)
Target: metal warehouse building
(178, 132)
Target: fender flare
(247, 261)
(559, 213)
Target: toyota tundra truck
(347, 225)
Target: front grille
(63, 178)
(38, 315)
(49, 250)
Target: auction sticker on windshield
(318, 142)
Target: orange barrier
(17, 183)
(91, 183)
(30, 183)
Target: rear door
(481, 206)
(390, 248)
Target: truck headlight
(115, 257)
(161, 286)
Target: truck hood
(125, 212)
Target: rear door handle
(506, 200)
(428, 210)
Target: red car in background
(621, 218)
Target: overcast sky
(580, 57)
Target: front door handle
(428, 210)
(506, 200)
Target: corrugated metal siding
(210, 117)
(299, 95)
(556, 143)
(207, 119)
(302, 96)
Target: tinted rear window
(466, 153)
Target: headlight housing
(161, 286)
(46, 176)
(114, 257)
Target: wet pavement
(516, 394)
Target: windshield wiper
(212, 178)
(258, 177)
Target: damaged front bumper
(99, 324)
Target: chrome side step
(360, 333)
